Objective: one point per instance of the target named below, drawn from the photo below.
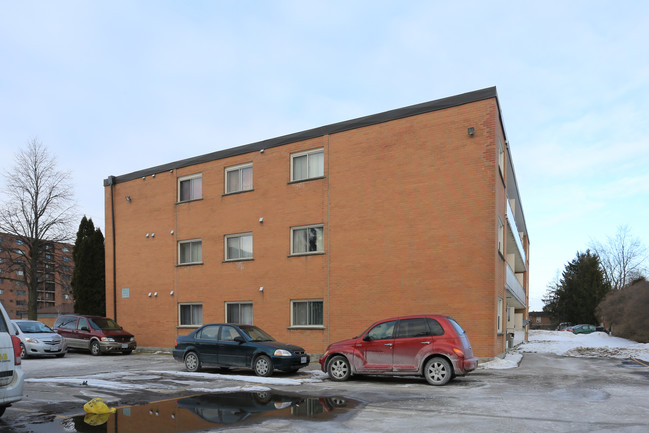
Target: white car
(38, 339)
(12, 378)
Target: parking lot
(545, 393)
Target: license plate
(54, 348)
(124, 346)
(303, 360)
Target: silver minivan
(11, 373)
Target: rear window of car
(457, 326)
(3, 324)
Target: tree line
(605, 285)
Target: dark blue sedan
(226, 345)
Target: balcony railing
(514, 243)
(515, 288)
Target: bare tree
(623, 258)
(37, 214)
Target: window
(499, 325)
(501, 157)
(190, 187)
(307, 239)
(307, 165)
(228, 333)
(382, 331)
(191, 314)
(210, 332)
(65, 249)
(238, 178)
(190, 252)
(20, 273)
(238, 312)
(501, 236)
(238, 247)
(307, 313)
(21, 293)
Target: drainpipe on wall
(111, 182)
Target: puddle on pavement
(207, 411)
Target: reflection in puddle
(212, 411)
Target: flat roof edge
(373, 119)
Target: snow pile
(597, 344)
(511, 360)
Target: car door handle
(388, 344)
(425, 342)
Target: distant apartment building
(54, 274)
(315, 235)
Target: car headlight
(282, 352)
(107, 339)
(32, 340)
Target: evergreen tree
(88, 279)
(577, 294)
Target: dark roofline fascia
(374, 119)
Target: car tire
(338, 368)
(192, 362)
(263, 366)
(438, 371)
(23, 351)
(95, 349)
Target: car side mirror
(239, 340)
(367, 338)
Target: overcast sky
(111, 87)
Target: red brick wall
(409, 211)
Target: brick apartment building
(315, 235)
(54, 293)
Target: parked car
(12, 378)
(227, 345)
(94, 333)
(563, 326)
(582, 329)
(38, 339)
(430, 345)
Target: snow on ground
(564, 343)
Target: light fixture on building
(147, 235)
(143, 177)
(261, 289)
(261, 151)
(152, 235)
(171, 293)
(155, 294)
(128, 198)
(471, 131)
(171, 232)
(261, 220)
(149, 294)
(153, 175)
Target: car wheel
(438, 371)
(192, 362)
(23, 352)
(263, 366)
(338, 368)
(94, 348)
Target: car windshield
(33, 327)
(104, 324)
(256, 334)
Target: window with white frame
(190, 252)
(238, 312)
(307, 239)
(238, 178)
(190, 314)
(499, 319)
(308, 312)
(307, 165)
(190, 187)
(238, 247)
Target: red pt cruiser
(430, 345)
